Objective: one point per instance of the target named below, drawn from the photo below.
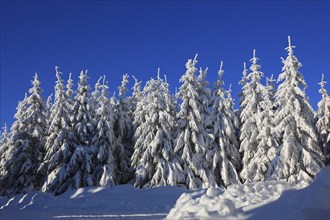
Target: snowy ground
(262, 200)
(124, 201)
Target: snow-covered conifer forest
(149, 137)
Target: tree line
(153, 138)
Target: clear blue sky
(136, 37)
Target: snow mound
(312, 202)
(123, 201)
(230, 203)
(257, 201)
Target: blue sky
(137, 37)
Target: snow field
(123, 201)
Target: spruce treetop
(97, 87)
(291, 75)
(36, 85)
(123, 88)
(219, 83)
(290, 47)
(244, 75)
(322, 90)
(69, 87)
(255, 75)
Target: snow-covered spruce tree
(194, 138)
(153, 159)
(28, 138)
(70, 157)
(60, 142)
(243, 82)
(82, 111)
(81, 165)
(139, 117)
(205, 98)
(37, 123)
(299, 157)
(49, 105)
(234, 118)
(97, 88)
(4, 148)
(267, 143)
(323, 120)
(226, 158)
(70, 92)
(18, 136)
(137, 94)
(174, 102)
(104, 139)
(123, 132)
(96, 93)
(94, 102)
(48, 110)
(249, 113)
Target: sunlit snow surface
(257, 201)
(262, 200)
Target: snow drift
(256, 201)
(312, 202)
